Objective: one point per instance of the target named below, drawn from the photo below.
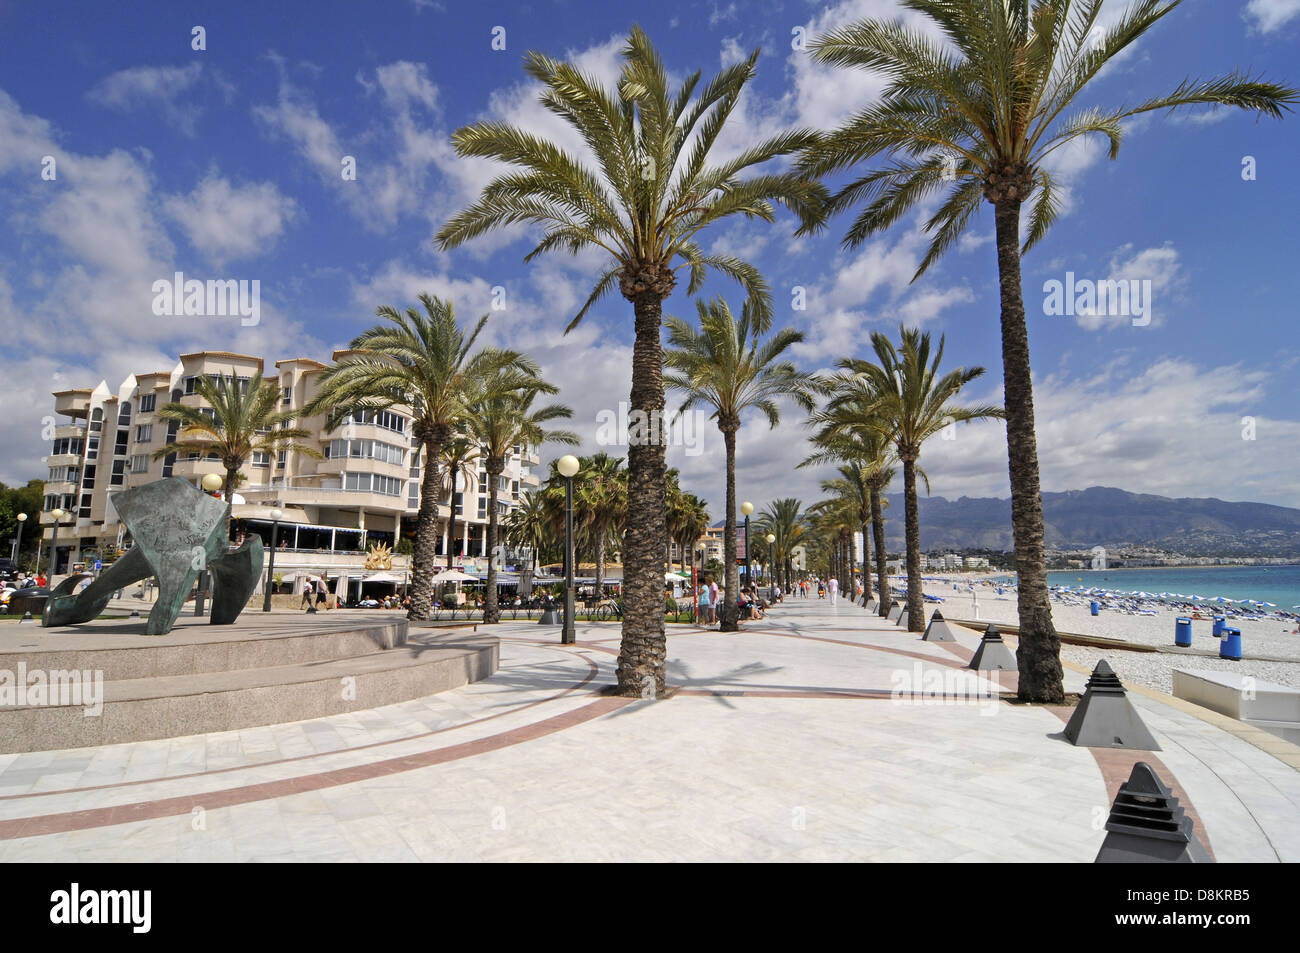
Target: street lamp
(747, 508)
(18, 543)
(771, 559)
(276, 516)
(568, 467)
(210, 482)
(54, 545)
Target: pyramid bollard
(1147, 825)
(895, 610)
(27, 617)
(549, 617)
(1105, 718)
(993, 653)
(901, 621)
(938, 630)
(873, 606)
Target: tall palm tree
(424, 362)
(643, 191)
(983, 109)
(501, 421)
(853, 487)
(458, 462)
(244, 420)
(528, 527)
(726, 365)
(601, 495)
(783, 519)
(848, 430)
(692, 520)
(912, 404)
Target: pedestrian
(834, 587)
(322, 593)
(306, 597)
(713, 600)
(706, 610)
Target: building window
(124, 414)
(372, 483)
(123, 438)
(380, 418)
(189, 383)
(140, 463)
(168, 461)
(119, 473)
(459, 504)
(482, 507)
(287, 399)
(261, 459)
(147, 403)
(143, 433)
(97, 420)
(280, 458)
(173, 428)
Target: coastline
(1269, 637)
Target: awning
(261, 511)
(383, 577)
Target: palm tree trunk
(912, 520)
(730, 612)
(1039, 654)
(882, 564)
(228, 492)
(642, 654)
(600, 564)
(866, 562)
(853, 564)
(426, 534)
(491, 613)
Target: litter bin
(999, 590)
(1183, 632)
(1230, 644)
(1095, 607)
(1220, 623)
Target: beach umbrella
(1269, 605)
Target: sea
(1277, 584)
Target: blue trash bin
(1230, 644)
(1183, 632)
(1220, 623)
(1095, 607)
(999, 590)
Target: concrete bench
(1274, 708)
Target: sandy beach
(1263, 640)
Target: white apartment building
(365, 490)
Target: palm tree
(690, 520)
(601, 493)
(912, 404)
(503, 420)
(643, 192)
(848, 430)
(243, 421)
(458, 461)
(528, 525)
(726, 365)
(983, 109)
(853, 489)
(783, 519)
(423, 362)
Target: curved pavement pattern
(817, 734)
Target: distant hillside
(1104, 516)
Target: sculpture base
(202, 678)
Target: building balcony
(69, 430)
(63, 460)
(72, 403)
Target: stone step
(142, 709)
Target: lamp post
(54, 546)
(210, 482)
(568, 467)
(747, 508)
(270, 568)
(18, 543)
(771, 560)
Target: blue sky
(224, 163)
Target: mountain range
(1110, 517)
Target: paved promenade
(799, 738)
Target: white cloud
(227, 222)
(152, 87)
(1266, 16)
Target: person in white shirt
(834, 587)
